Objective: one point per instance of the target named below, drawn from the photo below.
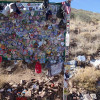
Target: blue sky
(89, 5)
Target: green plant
(73, 16)
(84, 17)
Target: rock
(87, 97)
(93, 96)
(10, 68)
(15, 85)
(42, 94)
(28, 93)
(1, 90)
(29, 84)
(11, 83)
(22, 82)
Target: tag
(67, 39)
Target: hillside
(85, 15)
(84, 44)
(84, 32)
(24, 0)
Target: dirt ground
(24, 73)
(27, 73)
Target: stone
(93, 96)
(15, 85)
(28, 93)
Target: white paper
(67, 39)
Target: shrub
(84, 17)
(73, 16)
(87, 78)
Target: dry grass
(85, 15)
(87, 38)
(87, 78)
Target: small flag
(63, 3)
(66, 7)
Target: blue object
(50, 27)
(27, 60)
(73, 62)
(93, 60)
(9, 90)
(81, 58)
